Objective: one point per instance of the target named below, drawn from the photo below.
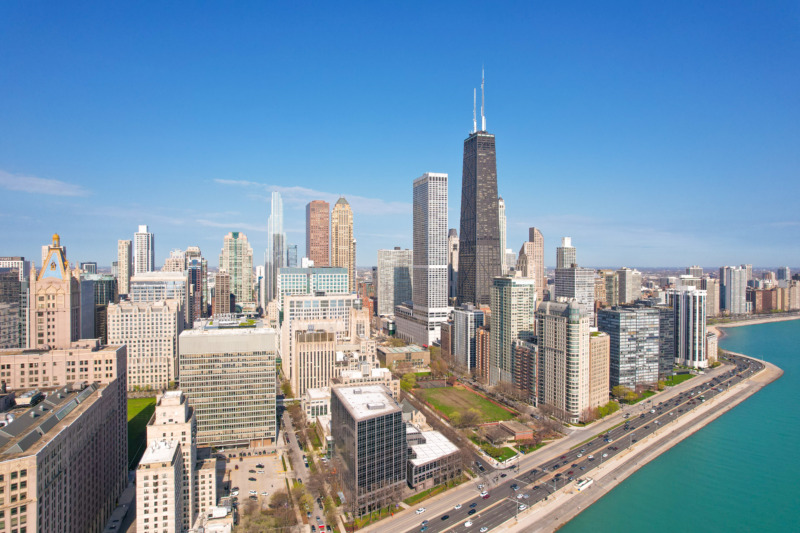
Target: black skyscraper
(479, 252)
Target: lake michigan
(739, 473)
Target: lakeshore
(719, 328)
(568, 503)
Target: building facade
(513, 316)
(479, 254)
(124, 265)
(55, 301)
(690, 326)
(370, 441)
(564, 359)
(229, 374)
(577, 283)
(151, 330)
(733, 290)
(308, 281)
(144, 251)
(343, 244)
(237, 260)
(394, 280)
(466, 321)
(599, 365)
(318, 232)
(276, 247)
(634, 334)
(452, 266)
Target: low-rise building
(411, 358)
(432, 460)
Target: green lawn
(645, 395)
(677, 378)
(505, 454)
(139, 412)
(449, 400)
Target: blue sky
(651, 133)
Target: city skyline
(674, 102)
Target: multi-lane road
(532, 485)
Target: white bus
(584, 484)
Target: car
(420, 510)
(571, 478)
(265, 493)
(514, 487)
(503, 475)
(583, 451)
(424, 528)
(536, 487)
(260, 471)
(424, 523)
(574, 465)
(652, 410)
(484, 493)
(313, 528)
(570, 472)
(563, 456)
(252, 471)
(591, 457)
(525, 496)
(445, 517)
(253, 492)
(468, 523)
(604, 455)
(522, 507)
(646, 427)
(251, 479)
(234, 493)
(484, 529)
(580, 455)
(457, 507)
(253, 497)
(583, 468)
(520, 496)
(260, 465)
(471, 512)
(480, 487)
(473, 505)
(485, 496)
(308, 514)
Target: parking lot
(256, 475)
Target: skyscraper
(222, 294)
(55, 301)
(564, 359)
(291, 255)
(565, 254)
(429, 292)
(393, 284)
(452, 265)
(711, 286)
(784, 273)
(466, 321)
(634, 333)
(630, 285)
(733, 290)
(531, 261)
(501, 217)
(696, 271)
(318, 233)
(237, 260)
(197, 269)
(577, 283)
(479, 255)
(124, 263)
(690, 326)
(144, 251)
(513, 315)
(343, 250)
(276, 248)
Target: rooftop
(402, 349)
(159, 451)
(436, 446)
(367, 401)
(30, 427)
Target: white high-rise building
(565, 254)
(733, 290)
(466, 321)
(513, 305)
(564, 359)
(577, 283)
(144, 251)
(236, 259)
(393, 285)
(501, 210)
(276, 248)
(429, 293)
(689, 305)
(630, 285)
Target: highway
(536, 484)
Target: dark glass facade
(479, 258)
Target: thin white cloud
(230, 226)
(302, 195)
(34, 185)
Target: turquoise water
(739, 473)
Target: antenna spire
(483, 115)
(474, 103)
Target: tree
(470, 417)
(661, 384)
(620, 391)
(408, 381)
(286, 388)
